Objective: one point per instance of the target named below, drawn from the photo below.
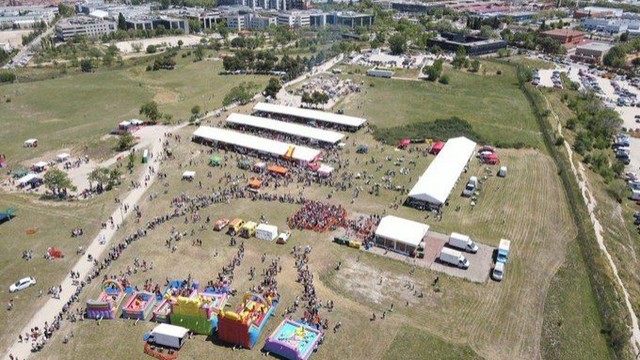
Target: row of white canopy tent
(266, 146)
(307, 132)
(27, 179)
(314, 115)
(436, 183)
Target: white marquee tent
(436, 183)
(316, 115)
(400, 234)
(267, 146)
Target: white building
(294, 19)
(85, 26)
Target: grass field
(464, 320)
(502, 116)
(79, 109)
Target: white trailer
(380, 73)
(635, 195)
(168, 335)
(453, 257)
(266, 232)
(462, 242)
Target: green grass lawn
(79, 109)
(493, 104)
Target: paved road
(54, 306)
(23, 53)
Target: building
(607, 26)
(81, 25)
(411, 6)
(350, 19)
(249, 21)
(598, 12)
(435, 185)
(153, 22)
(474, 45)
(591, 53)
(400, 235)
(294, 19)
(566, 37)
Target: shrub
(559, 141)
(444, 79)
(151, 49)
(7, 77)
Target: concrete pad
(479, 267)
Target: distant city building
(153, 22)
(591, 53)
(566, 37)
(294, 19)
(249, 21)
(597, 12)
(410, 6)
(474, 45)
(350, 19)
(317, 18)
(25, 17)
(81, 25)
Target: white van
(453, 257)
(503, 171)
(471, 186)
(498, 271)
(462, 242)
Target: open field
(72, 111)
(126, 47)
(13, 37)
(504, 116)
(495, 320)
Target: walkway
(53, 307)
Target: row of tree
(248, 60)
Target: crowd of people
(318, 216)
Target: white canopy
(136, 122)
(402, 230)
(325, 169)
(302, 131)
(436, 183)
(308, 114)
(125, 123)
(40, 164)
(268, 146)
(26, 179)
(30, 141)
(63, 156)
(188, 174)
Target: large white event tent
(266, 146)
(400, 234)
(307, 132)
(308, 114)
(436, 183)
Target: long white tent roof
(436, 183)
(402, 230)
(256, 143)
(307, 132)
(316, 115)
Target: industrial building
(474, 45)
(81, 25)
(566, 37)
(591, 53)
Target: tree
(199, 53)
(151, 49)
(475, 65)
(99, 175)
(306, 98)
(86, 65)
(58, 182)
(136, 46)
(180, 43)
(7, 77)
(195, 110)
(114, 178)
(65, 11)
(273, 87)
(397, 44)
(126, 141)
(460, 59)
(132, 161)
(624, 37)
(122, 22)
(150, 110)
(241, 94)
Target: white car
(22, 284)
(283, 237)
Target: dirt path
(49, 311)
(591, 202)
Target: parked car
(22, 284)
(498, 271)
(471, 186)
(283, 237)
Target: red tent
(437, 147)
(491, 159)
(314, 166)
(404, 143)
